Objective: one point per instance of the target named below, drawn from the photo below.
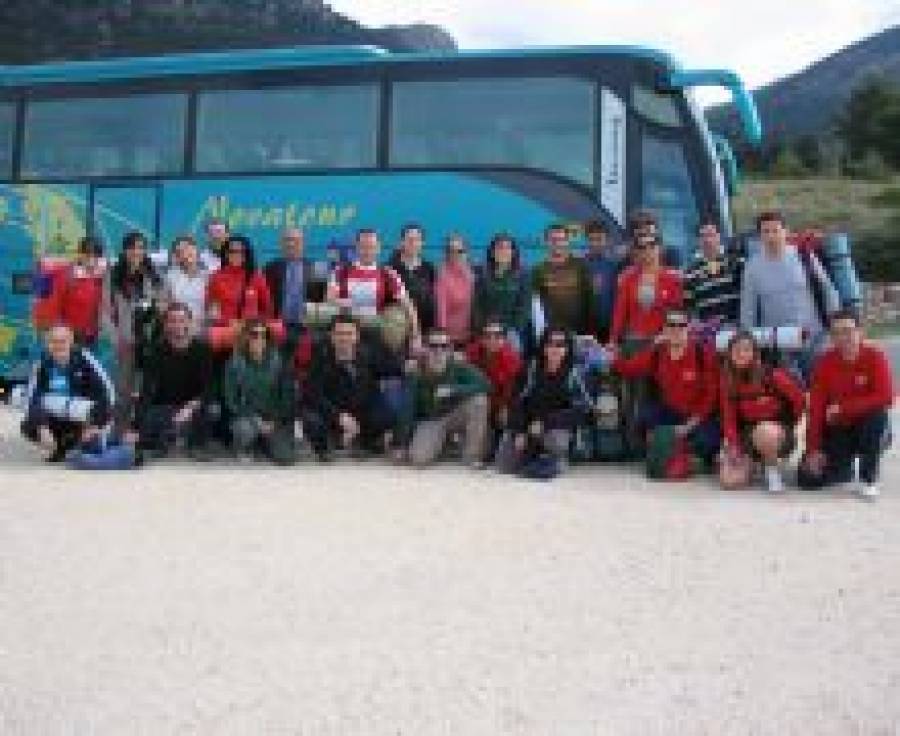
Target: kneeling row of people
(348, 392)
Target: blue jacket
(87, 380)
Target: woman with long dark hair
(131, 298)
(502, 291)
(551, 402)
(760, 408)
(238, 290)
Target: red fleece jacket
(630, 318)
(857, 388)
(224, 289)
(748, 402)
(501, 369)
(685, 385)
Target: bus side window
(287, 128)
(667, 190)
(7, 123)
(130, 135)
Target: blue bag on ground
(112, 455)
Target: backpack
(669, 457)
(815, 285)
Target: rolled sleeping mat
(394, 327)
(67, 408)
(838, 261)
(538, 318)
(788, 338)
(318, 315)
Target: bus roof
(246, 60)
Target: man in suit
(292, 283)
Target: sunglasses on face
(259, 333)
(679, 324)
(439, 345)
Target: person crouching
(70, 397)
(550, 404)
(683, 389)
(259, 397)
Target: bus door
(120, 208)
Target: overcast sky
(760, 39)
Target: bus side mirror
(726, 157)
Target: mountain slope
(807, 102)
(42, 30)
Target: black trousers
(866, 440)
(374, 419)
(158, 431)
(66, 434)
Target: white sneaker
(774, 482)
(867, 491)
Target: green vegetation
(869, 210)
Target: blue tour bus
(335, 138)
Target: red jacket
(630, 318)
(81, 294)
(501, 369)
(858, 389)
(224, 289)
(687, 385)
(749, 403)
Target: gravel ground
(366, 599)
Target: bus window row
(541, 123)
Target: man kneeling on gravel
(450, 397)
(173, 402)
(69, 396)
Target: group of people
(522, 369)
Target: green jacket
(462, 378)
(507, 297)
(258, 389)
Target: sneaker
(774, 481)
(867, 491)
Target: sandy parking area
(367, 599)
